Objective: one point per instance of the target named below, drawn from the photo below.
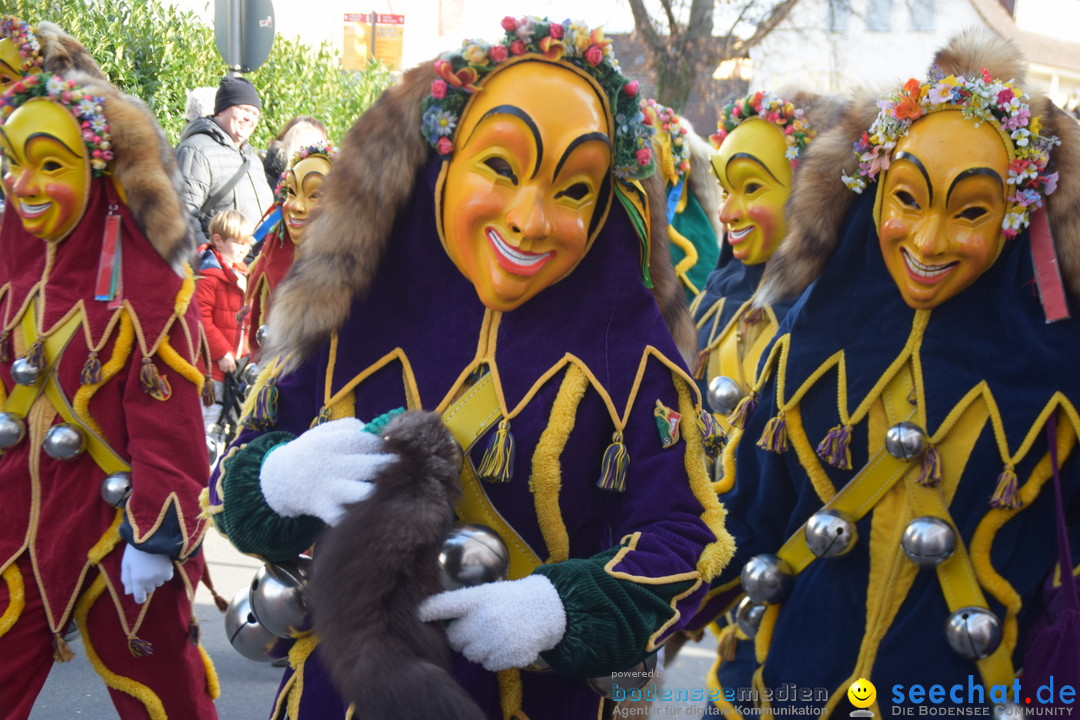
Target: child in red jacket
(220, 292)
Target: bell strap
(22, 397)
(467, 419)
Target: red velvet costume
(266, 273)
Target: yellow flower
(1035, 125)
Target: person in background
(200, 102)
(221, 170)
(301, 131)
(220, 294)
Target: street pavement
(73, 691)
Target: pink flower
(987, 76)
(517, 47)
(509, 24)
(1005, 97)
(438, 89)
(630, 89)
(594, 55)
(644, 156)
(444, 146)
(556, 31)
(498, 53)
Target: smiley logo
(862, 693)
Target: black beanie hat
(235, 91)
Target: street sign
(244, 32)
(378, 35)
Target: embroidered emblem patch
(667, 422)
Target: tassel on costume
(712, 435)
(699, 366)
(36, 354)
(193, 631)
(727, 644)
(153, 384)
(322, 417)
(61, 652)
(615, 465)
(264, 413)
(1005, 495)
(208, 391)
(91, 371)
(835, 447)
(774, 436)
(139, 647)
(5, 355)
(931, 469)
(497, 465)
(222, 603)
(743, 411)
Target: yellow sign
(379, 35)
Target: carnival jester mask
(20, 50)
(963, 167)
(527, 179)
(301, 186)
(758, 141)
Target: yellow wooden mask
(303, 188)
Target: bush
(156, 52)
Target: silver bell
(767, 579)
(280, 599)
(212, 449)
(472, 555)
(248, 637)
(724, 394)
(748, 616)
(632, 679)
(115, 488)
(262, 334)
(63, 442)
(25, 372)
(830, 533)
(12, 430)
(928, 541)
(905, 441)
(251, 373)
(973, 632)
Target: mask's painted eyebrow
(580, 139)
(973, 172)
(905, 155)
(756, 159)
(525, 118)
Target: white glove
(501, 624)
(142, 572)
(323, 471)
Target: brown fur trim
(667, 290)
(145, 168)
(351, 225)
(1063, 205)
(971, 50)
(63, 54)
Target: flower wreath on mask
(320, 148)
(84, 107)
(24, 36)
(570, 42)
(781, 113)
(671, 135)
(982, 98)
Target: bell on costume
(262, 334)
(632, 679)
(724, 395)
(12, 430)
(905, 441)
(830, 533)
(928, 541)
(973, 632)
(116, 488)
(280, 599)
(472, 555)
(247, 636)
(251, 373)
(767, 579)
(63, 442)
(25, 372)
(748, 616)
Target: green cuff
(608, 620)
(250, 524)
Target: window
(838, 15)
(878, 14)
(921, 15)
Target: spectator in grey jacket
(220, 168)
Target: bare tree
(681, 45)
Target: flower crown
(24, 37)
(319, 148)
(981, 98)
(571, 42)
(781, 113)
(84, 107)
(667, 120)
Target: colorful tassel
(264, 414)
(61, 652)
(91, 371)
(5, 354)
(193, 631)
(36, 354)
(615, 465)
(712, 435)
(743, 411)
(727, 644)
(497, 465)
(153, 384)
(208, 391)
(322, 417)
(1005, 495)
(835, 447)
(931, 469)
(774, 436)
(139, 647)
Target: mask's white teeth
(514, 254)
(923, 270)
(33, 210)
(736, 235)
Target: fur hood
(820, 199)
(381, 159)
(703, 183)
(64, 54)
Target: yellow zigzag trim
(121, 352)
